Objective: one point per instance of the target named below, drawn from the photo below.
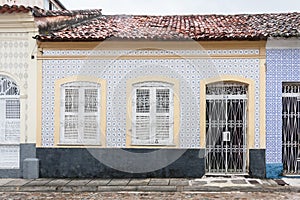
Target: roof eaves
(14, 9)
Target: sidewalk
(150, 185)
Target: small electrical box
(226, 136)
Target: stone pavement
(209, 184)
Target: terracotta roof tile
(14, 9)
(197, 27)
(38, 12)
(54, 13)
(92, 25)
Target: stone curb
(146, 189)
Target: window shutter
(142, 123)
(164, 125)
(70, 119)
(153, 114)
(80, 113)
(91, 132)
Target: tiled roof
(54, 13)
(14, 9)
(197, 27)
(53, 20)
(50, 21)
(38, 12)
(92, 25)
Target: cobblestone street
(150, 188)
(149, 195)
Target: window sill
(155, 145)
(80, 145)
(9, 144)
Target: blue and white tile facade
(283, 65)
(116, 72)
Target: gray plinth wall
(82, 163)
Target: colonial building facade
(17, 94)
(149, 96)
(169, 97)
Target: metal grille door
(226, 125)
(291, 128)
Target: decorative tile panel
(283, 65)
(117, 72)
(150, 52)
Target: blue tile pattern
(283, 65)
(188, 71)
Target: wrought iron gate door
(291, 128)
(226, 125)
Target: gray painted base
(31, 168)
(257, 163)
(79, 163)
(26, 151)
(10, 173)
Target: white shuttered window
(152, 114)
(9, 123)
(80, 113)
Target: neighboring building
(18, 75)
(44, 4)
(283, 107)
(18, 88)
(144, 96)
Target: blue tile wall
(283, 65)
(188, 71)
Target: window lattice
(162, 100)
(91, 100)
(291, 88)
(143, 100)
(13, 109)
(226, 89)
(71, 100)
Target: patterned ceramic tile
(283, 65)
(117, 72)
(150, 52)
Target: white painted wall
(16, 50)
